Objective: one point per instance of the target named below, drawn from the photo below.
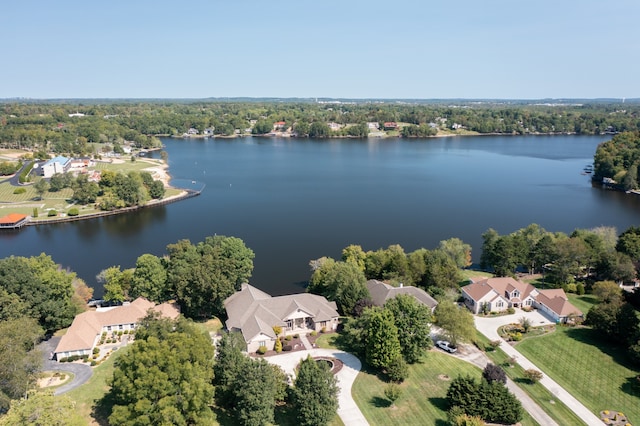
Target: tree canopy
(202, 276)
(164, 379)
(315, 393)
(41, 290)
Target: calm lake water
(296, 200)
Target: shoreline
(441, 135)
(158, 171)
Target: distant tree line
(58, 127)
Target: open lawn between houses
(423, 399)
(584, 302)
(598, 374)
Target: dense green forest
(619, 159)
(73, 127)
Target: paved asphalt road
(82, 372)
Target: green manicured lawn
(541, 395)
(595, 372)
(472, 273)
(91, 392)
(327, 341)
(584, 302)
(423, 399)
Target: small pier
(13, 221)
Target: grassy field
(472, 273)
(596, 373)
(423, 395)
(584, 302)
(541, 395)
(91, 392)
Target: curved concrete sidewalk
(489, 327)
(347, 410)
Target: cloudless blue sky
(343, 49)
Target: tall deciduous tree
(457, 250)
(19, 361)
(315, 394)
(382, 345)
(456, 322)
(204, 275)
(342, 282)
(43, 409)
(165, 381)
(44, 290)
(150, 279)
(413, 321)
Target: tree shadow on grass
(440, 403)
(102, 409)
(631, 386)
(592, 338)
(379, 402)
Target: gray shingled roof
(253, 311)
(381, 293)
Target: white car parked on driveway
(446, 346)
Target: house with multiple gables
(500, 294)
(87, 327)
(381, 292)
(254, 313)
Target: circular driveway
(489, 325)
(347, 410)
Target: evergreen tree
(315, 394)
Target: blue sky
(341, 49)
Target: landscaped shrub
(262, 350)
(533, 375)
(398, 370)
(314, 333)
(287, 348)
(96, 351)
(296, 336)
(511, 311)
(580, 289)
(323, 330)
(278, 346)
(19, 191)
(52, 213)
(93, 363)
(494, 344)
(288, 338)
(35, 212)
(73, 211)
